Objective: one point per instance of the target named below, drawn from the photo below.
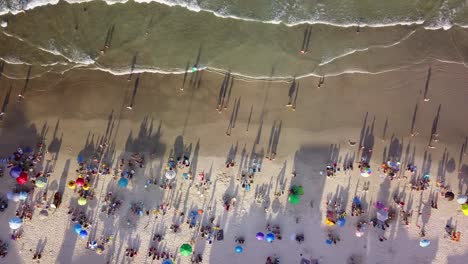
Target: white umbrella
(462, 199)
(170, 174)
(382, 215)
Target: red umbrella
(23, 178)
(80, 182)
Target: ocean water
(256, 38)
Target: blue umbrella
(15, 172)
(328, 241)
(239, 249)
(341, 221)
(77, 228)
(15, 222)
(270, 237)
(123, 182)
(424, 243)
(167, 261)
(83, 233)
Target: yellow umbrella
(328, 222)
(86, 186)
(71, 184)
(82, 201)
(465, 209)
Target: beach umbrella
(83, 234)
(462, 199)
(270, 237)
(15, 172)
(424, 243)
(382, 215)
(450, 196)
(15, 222)
(23, 178)
(86, 186)
(71, 184)
(79, 158)
(465, 209)
(359, 233)
(167, 261)
(77, 228)
(328, 241)
(329, 222)
(41, 181)
(366, 172)
(294, 198)
(260, 236)
(239, 249)
(93, 244)
(82, 201)
(123, 182)
(298, 190)
(185, 250)
(170, 174)
(80, 181)
(23, 196)
(341, 222)
(16, 197)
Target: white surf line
(367, 49)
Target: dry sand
(75, 110)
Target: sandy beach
(78, 111)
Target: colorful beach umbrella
(15, 222)
(123, 182)
(185, 250)
(424, 243)
(23, 178)
(82, 201)
(71, 184)
(260, 236)
(83, 234)
(41, 181)
(238, 249)
(170, 174)
(80, 182)
(77, 228)
(465, 209)
(294, 198)
(270, 237)
(15, 172)
(366, 172)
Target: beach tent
(77, 228)
(123, 182)
(239, 249)
(83, 234)
(382, 215)
(424, 243)
(465, 209)
(82, 201)
(15, 222)
(41, 181)
(270, 237)
(15, 172)
(294, 198)
(462, 199)
(185, 250)
(170, 174)
(260, 236)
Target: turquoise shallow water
(161, 38)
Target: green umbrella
(185, 250)
(294, 199)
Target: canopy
(424, 243)
(71, 184)
(170, 174)
(365, 172)
(123, 182)
(294, 198)
(80, 182)
(185, 250)
(462, 199)
(15, 172)
(239, 249)
(82, 201)
(77, 228)
(15, 222)
(41, 182)
(341, 221)
(83, 233)
(23, 178)
(260, 236)
(465, 209)
(382, 215)
(270, 237)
